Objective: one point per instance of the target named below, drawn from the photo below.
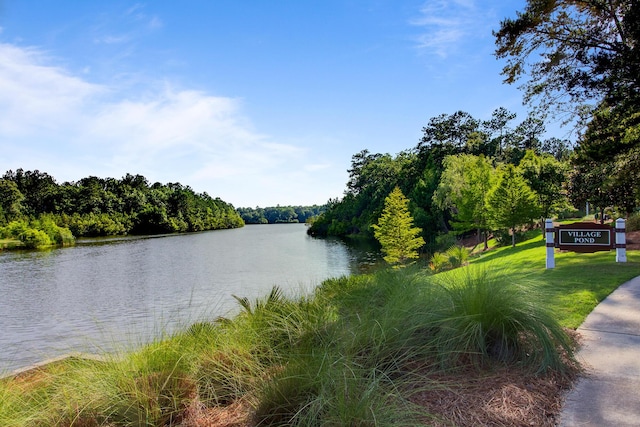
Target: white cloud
(37, 96)
(317, 167)
(155, 23)
(71, 128)
(138, 13)
(112, 39)
(450, 25)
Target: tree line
(96, 206)
(579, 61)
(280, 214)
(464, 175)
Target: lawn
(575, 286)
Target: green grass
(574, 287)
(10, 244)
(345, 355)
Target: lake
(119, 293)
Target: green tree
(590, 183)
(497, 130)
(545, 176)
(588, 57)
(464, 185)
(395, 231)
(451, 132)
(38, 188)
(10, 200)
(611, 144)
(511, 202)
(574, 51)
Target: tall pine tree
(512, 203)
(395, 231)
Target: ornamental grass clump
(485, 316)
(350, 373)
(439, 262)
(457, 256)
(330, 389)
(388, 325)
(154, 385)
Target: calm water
(102, 294)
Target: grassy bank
(10, 244)
(572, 289)
(370, 350)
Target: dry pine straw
(498, 396)
(237, 414)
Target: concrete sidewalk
(609, 393)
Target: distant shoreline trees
(96, 206)
(281, 214)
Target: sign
(584, 237)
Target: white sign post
(549, 234)
(621, 241)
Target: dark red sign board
(585, 237)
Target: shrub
(503, 237)
(487, 316)
(33, 239)
(567, 212)
(58, 235)
(14, 229)
(444, 241)
(439, 262)
(457, 255)
(633, 222)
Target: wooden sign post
(585, 237)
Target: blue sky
(256, 102)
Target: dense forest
(33, 204)
(452, 178)
(280, 214)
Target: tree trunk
(513, 237)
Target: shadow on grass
(492, 256)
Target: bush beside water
(37, 233)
